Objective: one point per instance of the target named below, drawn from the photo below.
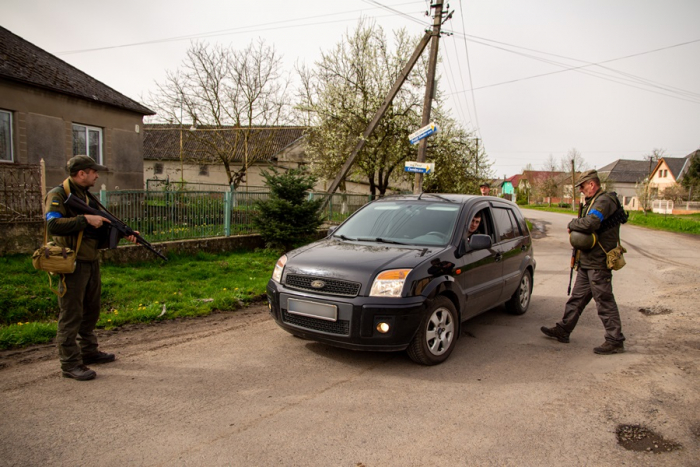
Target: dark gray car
(404, 272)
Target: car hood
(355, 261)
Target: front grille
(340, 327)
(330, 286)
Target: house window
(6, 136)
(204, 170)
(157, 168)
(87, 140)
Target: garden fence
(178, 215)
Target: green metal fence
(177, 215)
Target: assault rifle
(574, 253)
(118, 228)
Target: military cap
(585, 176)
(485, 184)
(77, 163)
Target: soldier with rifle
(79, 298)
(595, 232)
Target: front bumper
(357, 318)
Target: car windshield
(410, 223)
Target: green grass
(686, 223)
(185, 286)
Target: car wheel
(520, 301)
(437, 334)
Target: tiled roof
(26, 63)
(162, 141)
(626, 171)
(677, 164)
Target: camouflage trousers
(78, 315)
(594, 284)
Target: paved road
(234, 389)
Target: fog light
(383, 327)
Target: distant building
(623, 177)
(670, 170)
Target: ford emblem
(317, 284)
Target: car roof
(447, 197)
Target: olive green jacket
(604, 206)
(64, 225)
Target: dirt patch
(655, 310)
(156, 333)
(640, 438)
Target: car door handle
(499, 257)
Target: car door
(480, 271)
(511, 247)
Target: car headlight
(389, 283)
(279, 267)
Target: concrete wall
(43, 129)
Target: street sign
(419, 167)
(423, 133)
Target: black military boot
(80, 372)
(609, 348)
(99, 357)
(557, 333)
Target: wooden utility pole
(429, 89)
(377, 117)
(573, 184)
(434, 34)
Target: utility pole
(429, 89)
(573, 185)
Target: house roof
(539, 175)
(626, 171)
(678, 165)
(23, 62)
(161, 142)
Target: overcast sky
(526, 76)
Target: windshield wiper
(343, 237)
(380, 240)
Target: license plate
(312, 309)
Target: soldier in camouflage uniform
(80, 306)
(594, 278)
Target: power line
(589, 72)
(239, 30)
(476, 116)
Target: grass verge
(686, 223)
(144, 292)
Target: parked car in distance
(404, 272)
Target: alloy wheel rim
(440, 331)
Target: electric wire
(239, 30)
(581, 69)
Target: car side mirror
(477, 242)
(480, 242)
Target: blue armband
(598, 214)
(53, 215)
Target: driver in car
(474, 225)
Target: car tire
(520, 301)
(437, 334)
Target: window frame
(87, 129)
(11, 145)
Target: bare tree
(227, 97)
(549, 184)
(573, 164)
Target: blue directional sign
(423, 133)
(419, 167)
